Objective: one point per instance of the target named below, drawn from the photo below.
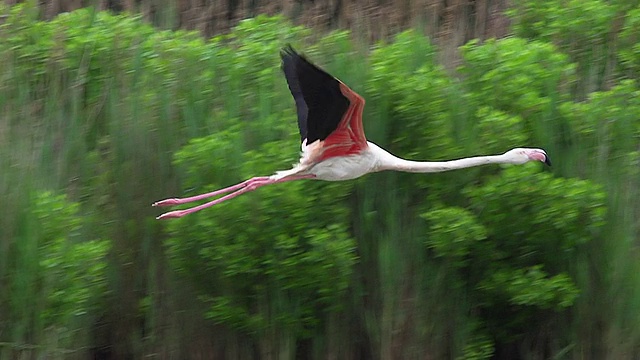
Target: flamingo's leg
(178, 201)
(249, 185)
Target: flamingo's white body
(334, 147)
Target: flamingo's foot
(172, 215)
(167, 202)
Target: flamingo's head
(523, 155)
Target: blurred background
(108, 106)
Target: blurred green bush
(471, 264)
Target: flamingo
(334, 147)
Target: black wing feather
(319, 102)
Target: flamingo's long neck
(391, 162)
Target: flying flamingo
(334, 146)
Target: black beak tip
(547, 160)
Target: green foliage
(575, 23)
(453, 234)
(392, 63)
(516, 87)
(266, 30)
(598, 36)
(480, 347)
(55, 279)
(608, 123)
(629, 54)
(116, 114)
(517, 237)
(530, 286)
(73, 273)
(517, 76)
(498, 130)
(558, 215)
(413, 91)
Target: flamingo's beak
(547, 160)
